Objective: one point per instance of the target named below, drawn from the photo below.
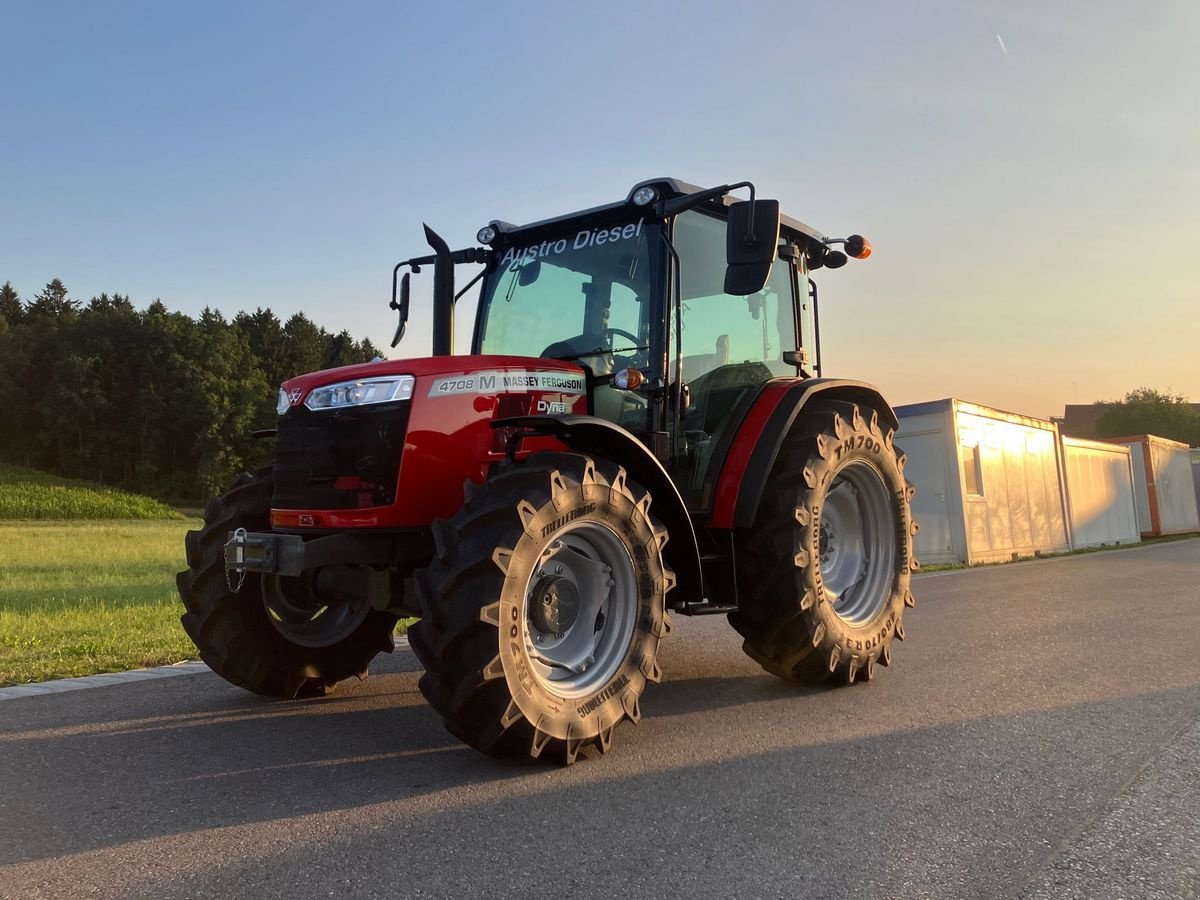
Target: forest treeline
(148, 399)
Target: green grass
(77, 598)
(28, 494)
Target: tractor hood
(398, 459)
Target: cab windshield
(583, 294)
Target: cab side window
(718, 328)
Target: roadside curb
(108, 679)
(61, 685)
(1065, 557)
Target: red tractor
(641, 427)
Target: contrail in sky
(1003, 49)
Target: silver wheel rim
(304, 618)
(857, 543)
(591, 564)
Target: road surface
(1036, 737)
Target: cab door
(731, 346)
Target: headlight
(361, 393)
(282, 404)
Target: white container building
(1100, 493)
(989, 483)
(1165, 492)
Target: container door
(1196, 482)
(926, 469)
(1173, 481)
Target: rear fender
(592, 435)
(754, 450)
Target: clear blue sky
(1034, 207)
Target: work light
(644, 196)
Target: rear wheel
(543, 608)
(825, 572)
(270, 634)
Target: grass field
(78, 598)
(29, 494)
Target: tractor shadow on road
(102, 774)
(357, 777)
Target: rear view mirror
(402, 306)
(751, 243)
(529, 272)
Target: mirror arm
(678, 205)
(470, 284)
(749, 239)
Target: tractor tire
(824, 575)
(242, 634)
(543, 607)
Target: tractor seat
(701, 363)
(601, 363)
(716, 394)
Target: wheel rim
(857, 551)
(304, 618)
(580, 608)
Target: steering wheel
(634, 341)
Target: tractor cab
(677, 311)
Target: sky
(1028, 172)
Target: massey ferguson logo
(551, 406)
(294, 396)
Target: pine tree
(340, 351)
(304, 348)
(52, 302)
(12, 310)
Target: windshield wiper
(600, 350)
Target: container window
(972, 473)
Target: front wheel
(825, 572)
(269, 634)
(543, 608)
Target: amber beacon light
(858, 246)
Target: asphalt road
(1038, 736)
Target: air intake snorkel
(443, 294)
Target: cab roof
(670, 188)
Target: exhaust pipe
(443, 295)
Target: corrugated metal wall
(1099, 493)
(937, 506)
(1020, 510)
(1176, 490)
(1164, 486)
(988, 482)
(1196, 475)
